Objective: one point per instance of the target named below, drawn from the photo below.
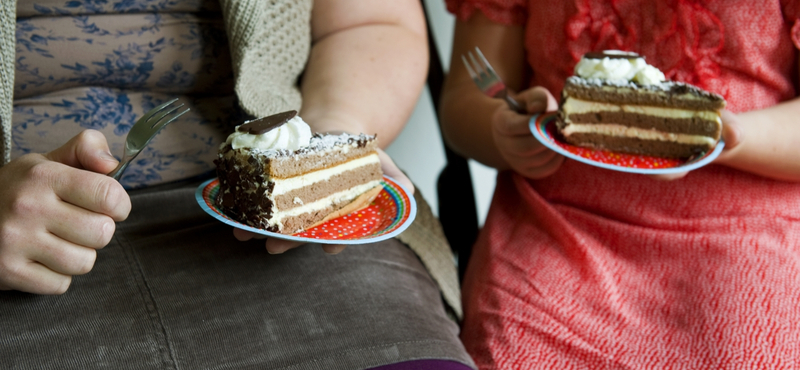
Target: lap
(174, 289)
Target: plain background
(418, 150)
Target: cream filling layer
(579, 106)
(283, 186)
(610, 129)
(342, 196)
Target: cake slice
(275, 175)
(618, 102)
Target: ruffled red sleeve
(791, 13)
(508, 12)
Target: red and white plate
(543, 127)
(388, 215)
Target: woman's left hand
(278, 246)
(731, 133)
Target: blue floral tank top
(101, 64)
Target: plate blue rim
(549, 142)
(198, 194)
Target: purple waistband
(425, 365)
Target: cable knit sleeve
(7, 29)
(270, 42)
(508, 12)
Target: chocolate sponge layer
(653, 148)
(667, 94)
(336, 183)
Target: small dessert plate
(543, 127)
(388, 215)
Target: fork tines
(157, 114)
(173, 110)
(477, 68)
(482, 73)
(487, 79)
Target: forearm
(769, 142)
(466, 115)
(465, 112)
(365, 79)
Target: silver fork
(487, 79)
(143, 131)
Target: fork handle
(513, 104)
(117, 172)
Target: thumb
(87, 150)
(731, 129)
(538, 100)
(390, 168)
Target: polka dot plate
(388, 215)
(543, 127)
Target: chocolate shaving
(267, 124)
(601, 55)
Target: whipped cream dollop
(615, 65)
(292, 135)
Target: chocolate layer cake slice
(291, 190)
(635, 111)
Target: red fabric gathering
(591, 268)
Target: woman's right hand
(56, 210)
(278, 246)
(513, 138)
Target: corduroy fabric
(426, 238)
(175, 290)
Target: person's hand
(277, 246)
(56, 210)
(731, 133)
(390, 169)
(514, 140)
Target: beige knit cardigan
(270, 43)
(8, 21)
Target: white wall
(418, 150)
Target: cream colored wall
(419, 149)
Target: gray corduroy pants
(175, 290)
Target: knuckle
(87, 135)
(108, 195)
(107, 228)
(542, 93)
(8, 237)
(21, 205)
(7, 269)
(538, 90)
(40, 171)
(10, 270)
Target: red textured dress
(596, 269)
